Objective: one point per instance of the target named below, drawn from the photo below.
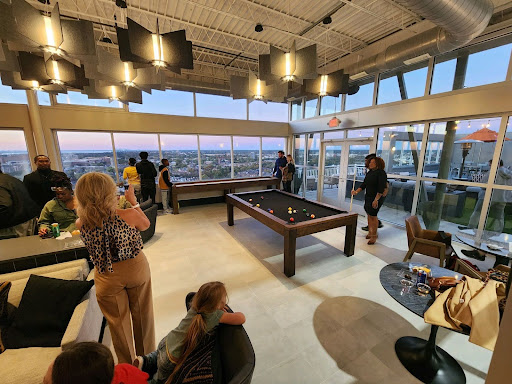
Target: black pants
(148, 191)
(287, 186)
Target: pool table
(326, 217)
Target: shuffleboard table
(325, 217)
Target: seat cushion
(27, 365)
(42, 271)
(44, 311)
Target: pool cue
(353, 185)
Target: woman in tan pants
(121, 270)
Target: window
(313, 149)
(12, 96)
(269, 148)
(363, 97)
(487, 67)
(311, 108)
(312, 166)
(14, 158)
(220, 106)
(442, 79)
(77, 98)
(400, 147)
(414, 81)
(506, 159)
(131, 144)
(215, 157)
(330, 104)
(258, 110)
(296, 106)
(43, 98)
(83, 152)
(499, 217)
(300, 144)
(246, 156)
(167, 102)
(460, 150)
(334, 135)
(181, 151)
(357, 133)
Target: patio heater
(466, 145)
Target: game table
(325, 217)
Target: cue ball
(294, 211)
(312, 216)
(258, 205)
(292, 219)
(250, 200)
(307, 214)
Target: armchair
(425, 241)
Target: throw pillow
(44, 312)
(4, 309)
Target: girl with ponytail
(207, 310)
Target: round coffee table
(422, 358)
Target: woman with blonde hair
(288, 171)
(121, 270)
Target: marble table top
(22, 247)
(409, 297)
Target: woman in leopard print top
(122, 276)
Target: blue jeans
(158, 365)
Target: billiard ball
(289, 208)
(294, 211)
(262, 197)
(268, 209)
(304, 210)
(312, 216)
(292, 219)
(250, 200)
(307, 214)
(258, 205)
(271, 211)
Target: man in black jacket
(39, 183)
(18, 213)
(147, 172)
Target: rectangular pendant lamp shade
(252, 88)
(295, 65)
(332, 84)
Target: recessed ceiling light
(258, 28)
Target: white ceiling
(223, 35)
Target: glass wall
(167, 102)
(12, 96)
(299, 157)
(296, 106)
(444, 73)
(487, 67)
(413, 80)
(311, 108)
(330, 104)
(181, 151)
(357, 133)
(83, 152)
(259, 110)
(246, 155)
(334, 135)
(220, 107)
(131, 144)
(269, 148)
(215, 157)
(313, 152)
(14, 158)
(77, 98)
(400, 147)
(43, 98)
(363, 98)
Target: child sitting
(208, 309)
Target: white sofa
(29, 365)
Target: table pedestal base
(427, 362)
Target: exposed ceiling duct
(458, 22)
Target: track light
(327, 20)
(258, 28)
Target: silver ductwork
(458, 22)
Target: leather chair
(151, 211)
(425, 241)
(235, 352)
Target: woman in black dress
(374, 183)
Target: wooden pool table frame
(292, 231)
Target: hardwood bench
(225, 185)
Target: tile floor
(330, 323)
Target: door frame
(345, 146)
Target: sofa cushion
(42, 271)
(18, 286)
(44, 311)
(4, 294)
(27, 366)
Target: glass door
(344, 168)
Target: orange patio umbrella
(485, 134)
